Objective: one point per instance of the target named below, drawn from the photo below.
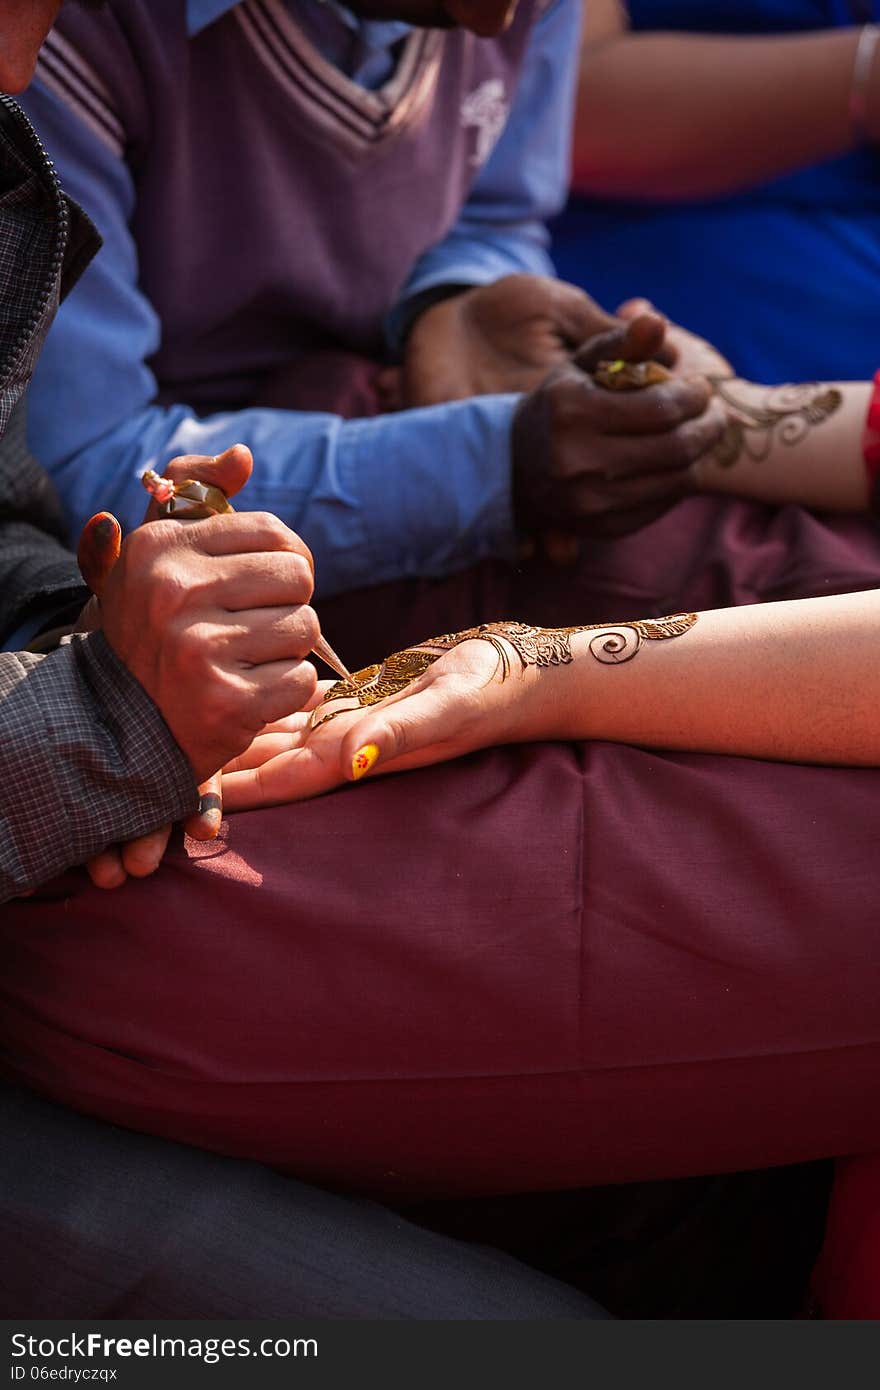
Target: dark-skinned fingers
(645, 455)
(560, 548)
(631, 309)
(576, 314)
(142, 856)
(205, 824)
(106, 870)
(616, 524)
(575, 404)
(629, 494)
(636, 341)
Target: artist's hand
(496, 338)
(99, 549)
(598, 462)
(213, 625)
(460, 704)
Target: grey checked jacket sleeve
(85, 756)
(85, 759)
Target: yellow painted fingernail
(363, 760)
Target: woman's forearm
(685, 115)
(791, 444)
(798, 681)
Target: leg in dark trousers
(97, 1221)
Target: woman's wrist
(569, 692)
(793, 443)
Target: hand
(99, 549)
(213, 620)
(496, 338)
(460, 704)
(597, 462)
(98, 555)
(686, 354)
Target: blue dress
(783, 277)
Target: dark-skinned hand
(497, 338)
(595, 462)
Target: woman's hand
(685, 353)
(462, 702)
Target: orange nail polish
(363, 760)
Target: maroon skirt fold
(537, 967)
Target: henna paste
(786, 414)
(613, 644)
(630, 376)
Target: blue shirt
(420, 492)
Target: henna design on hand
(787, 413)
(613, 644)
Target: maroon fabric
(537, 967)
(707, 552)
(540, 967)
(341, 383)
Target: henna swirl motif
(613, 644)
(786, 414)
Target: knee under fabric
(846, 1281)
(538, 967)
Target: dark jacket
(85, 756)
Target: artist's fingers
(281, 688)
(205, 824)
(106, 870)
(634, 308)
(138, 857)
(143, 855)
(241, 533)
(259, 635)
(229, 471)
(98, 550)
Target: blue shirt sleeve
(501, 229)
(423, 492)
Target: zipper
(45, 171)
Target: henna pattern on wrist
(786, 413)
(613, 644)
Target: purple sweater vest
(280, 207)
